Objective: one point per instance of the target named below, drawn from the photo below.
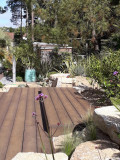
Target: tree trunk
(32, 26)
(21, 21)
(95, 41)
(27, 22)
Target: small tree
(26, 54)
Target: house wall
(46, 52)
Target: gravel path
(6, 80)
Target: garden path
(18, 131)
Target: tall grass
(71, 142)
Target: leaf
(119, 135)
(116, 102)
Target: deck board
(7, 125)
(60, 109)
(53, 118)
(18, 131)
(75, 117)
(29, 143)
(15, 144)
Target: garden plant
(48, 133)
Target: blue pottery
(30, 75)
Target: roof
(43, 45)
(10, 35)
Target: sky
(5, 18)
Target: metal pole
(14, 69)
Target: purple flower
(34, 114)
(37, 98)
(115, 73)
(45, 96)
(41, 94)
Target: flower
(68, 76)
(96, 147)
(37, 98)
(115, 73)
(45, 96)
(41, 94)
(34, 114)
(58, 124)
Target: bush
(102, 70)
(19, 79)
(1, 85)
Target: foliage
(116, 102)
(69, 145)
(79, 136)
(19, 79)
(1, 85)
(26, 54)
(7, 65)
(90, 126)
(57, 60)
(69, 142)
(102, 70)
(4, 38)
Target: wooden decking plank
(43, 135)
(1, 94)
(84, 103)
(7, 126)
(76, 105)
(29, 144)
(16, 140)
(59, 107)
(4, 104)
(50, 110)
(69, 108)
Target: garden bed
(96, 97)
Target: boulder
(108, 120)
(59, 75)
(39, 156)
(96, 150)
(58, 141)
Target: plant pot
(30, 75)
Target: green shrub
(19, 79)
(102, 70)
(1, 85)
(69, 143)
(90, 127)
(68, 146)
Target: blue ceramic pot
(30, 75)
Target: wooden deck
(18, 131)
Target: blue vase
(30, 75)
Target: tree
(3, 9)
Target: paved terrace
(18, 131)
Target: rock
(108, 120)
(63, 80)
(96, 150)
(58, 141)
(59, 75)
(39, 156)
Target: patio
(18, 131)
